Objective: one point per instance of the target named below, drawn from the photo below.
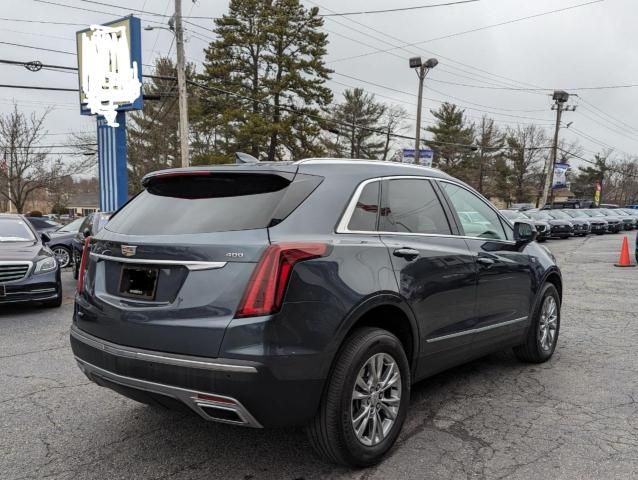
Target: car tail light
(267, 285)
(83, 264)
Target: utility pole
(560, 97)
(181, 85)
(421, 70)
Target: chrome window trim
(476, 330)
(190, 264)
(158, 357)
(342, 226)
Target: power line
(391, 10)
(485, 27)
(37, 48)
(47, 22)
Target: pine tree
(269, 59)
(356, 119)
(452, 141)
(152, 137)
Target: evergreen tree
(153, 133)
(356, 120)
(452, 140)
(264, 69)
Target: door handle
(488, 262)
(407, 253)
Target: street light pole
(422, 70)
(181, 85)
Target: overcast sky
(590, 46)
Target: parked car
(614, 225)
(62, 242)
(625, 222)
(541, 226)
(597, 225)
(581, 226)
(29, 272)
(307, 293)
(43, 224)
(91, 225)
(558, 228)
(630, 220)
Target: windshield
(594, 213)
(629, 211)
(15, 230)
(72, 227)
(618, 211)
(607, 212)
(576, 213)
(539, 215)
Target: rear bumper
(226, 390)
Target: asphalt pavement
(575, 417)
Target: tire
(76, 270)
(533, 350)
(62, 255)
(331, 432)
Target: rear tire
(62, 255)
(545, 324)
(353, 391)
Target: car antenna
(241, 157)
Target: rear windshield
(218, 202)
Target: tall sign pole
(110, 76)
(181, 85)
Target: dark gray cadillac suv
(309, 293)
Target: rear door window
(412, 206)
(205, 203)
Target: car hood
(16, 251)
(540, 222)
(560, 222)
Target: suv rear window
(216, 202)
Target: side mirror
(524, 232)
(86, 233)
(45, 238)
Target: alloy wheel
(376, 398)
(548, 324)
(63, 256)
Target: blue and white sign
(425, 156)
(560, 175)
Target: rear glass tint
(219, 202)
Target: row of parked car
(565, 223)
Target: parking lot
(573, 417)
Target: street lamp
(421, 70)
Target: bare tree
(393, 123)
(27, 167)
(527, 148)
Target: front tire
(365, 402)
(542, 334)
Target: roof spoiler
(241, 157)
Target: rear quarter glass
(212, 202)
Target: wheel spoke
(391, 382)
(362, 416)
(387, 410)
(362, 427)
(379, 426)
(356, 395)
(362, 384)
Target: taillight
(83, 264)
(267, 285)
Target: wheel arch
(554, 277)
(390, 312)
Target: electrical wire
(485, 27)
(392, 10)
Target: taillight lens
(267, 286)
(83, 264)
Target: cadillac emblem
(128, 250)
